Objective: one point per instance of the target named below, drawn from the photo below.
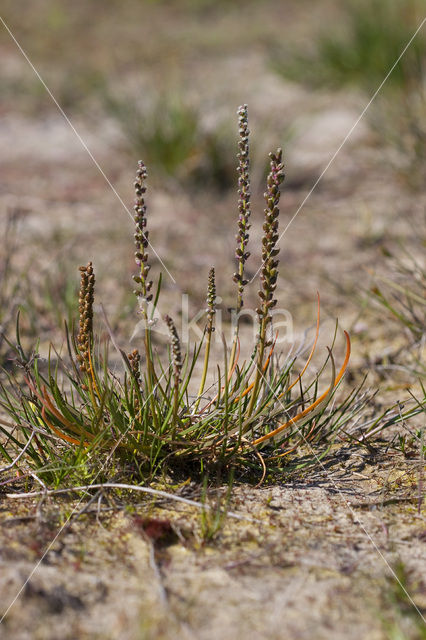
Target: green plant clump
(169, 134)
(362, 53)
(75, 415)
(381, 44)
(403, 297)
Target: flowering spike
(269, 272)
(177, 369)
(86, 298)
(141, 236)
(176, 349)
(211, 300)
(242, 236)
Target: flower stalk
(144, 285)
(210, 311)
(269, 271)
(177, 367)
(134, 359)
(85, 334)
(85, 308)
(244, 213)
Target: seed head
(141, 236)
(269, 271)
(86, 298)
(244, 194)
(176, 350)
(211, 300)
(135, 367)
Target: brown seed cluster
(86, 298)
(135, 365)
(269, 272)
(211, 300)
(242, 236)
(176, 349)
(141, 235)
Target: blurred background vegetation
(149, 66)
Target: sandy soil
(337, 554)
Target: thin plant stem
(269, 272)
(211, 310)
(177, 370)
(145, 285)
(244, 213)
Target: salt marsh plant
(75, 412)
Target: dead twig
(127, 487)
